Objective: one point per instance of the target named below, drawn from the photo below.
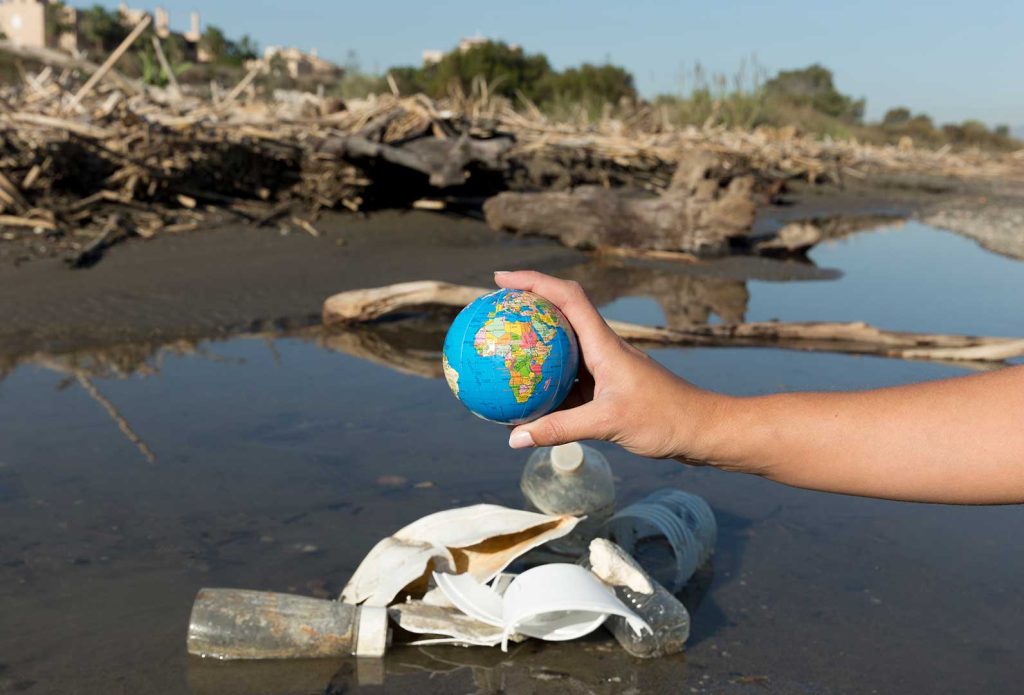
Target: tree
(506, 70)
(813, 86)
(100, 28)
(592, 83)
(214, 42)
(897, 116)
(509, 71)
(223, 50)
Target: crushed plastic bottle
(571, 479)
(671, 533)
(239, 624)
(664, 613)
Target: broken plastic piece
(681, 520)
(553, 602)
(481, 540)
(239, 624)
(667, 616)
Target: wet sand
(218, 282)
(270, 450)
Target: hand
(623, 395)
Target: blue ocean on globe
(510, 356)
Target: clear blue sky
(952, 60)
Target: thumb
(560, 427)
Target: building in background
(39, 24)
(51, 24)
(295, 63)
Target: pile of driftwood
(89, 156)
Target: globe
(510, 357)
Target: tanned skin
(958, 441)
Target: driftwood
(443, 161)
(116, 416)
(857, 338)
(137, 149)
(697, 214)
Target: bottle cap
(372, 635)
(566, 458)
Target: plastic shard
(480, 540)
(553, 602)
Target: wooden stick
(39, 119)
(172, 79)
(116, 416)
(109, 62)
(360, 306)
(60, 59)
(16, 221)
(242, 84)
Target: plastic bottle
(667, 616)
(671, 533)
(238, 624)
(571, 479)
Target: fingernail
(502, 272)
(520, 440)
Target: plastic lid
(372, 635)
(566, 458)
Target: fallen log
(443, 161)
(857, 338)
(697, 214)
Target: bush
(509, 72)
(100, 29)
(812, 86)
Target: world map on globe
(510, 356)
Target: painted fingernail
(520, 440)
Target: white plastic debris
(480, 540)
(553, 602)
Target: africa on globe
(510, 357)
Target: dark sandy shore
(216, 282)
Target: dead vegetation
(89, 157)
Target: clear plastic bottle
(671, 533)
(240, 624)
(571, 479)
(667, 616)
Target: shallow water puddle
(280, 461)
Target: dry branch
(109, 63)
(360, 306)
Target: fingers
(560, 427)
(591, 329)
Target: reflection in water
(685, 299)
(582, 666)
(411, 344)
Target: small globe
(510, 357)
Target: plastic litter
(239, 624)
(570, 479)
(555, 602)
(679, 524)
(667, 616)
(481, 539)
(482, 605)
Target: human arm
(957, 440)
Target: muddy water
(279, 461)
